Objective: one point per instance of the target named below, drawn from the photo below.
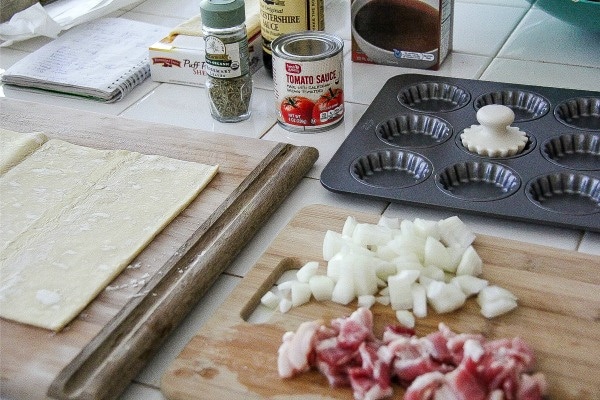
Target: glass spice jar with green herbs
(228, 80)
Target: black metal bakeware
(407, 148)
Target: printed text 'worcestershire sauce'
(308, 81)
(279, 17)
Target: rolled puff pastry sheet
(73, 217)
(15, 146)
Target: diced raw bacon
(355, 329)
(414, 357)
(443, 365)
(465, 384)
(364, 387)
(496, 395)
(407, 348)
(408, 370)
(425, 386)
(333, 360)
(503, 363)
(297, 350)
(392, 332)
(456, 342)
(326, 332)
(373, 379)
(532, 387)
(437, 344)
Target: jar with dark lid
(228, 80)
(278, 18)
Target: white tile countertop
(495, 40)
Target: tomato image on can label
(329, 107)
(309, 92)
(297, 110)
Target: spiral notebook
(102, 60)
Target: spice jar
(228, 80)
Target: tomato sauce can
(308, 80)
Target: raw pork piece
(443, 365)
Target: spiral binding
(126, 82)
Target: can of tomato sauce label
(308, 81)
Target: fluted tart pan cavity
(579, 151)
(434, 97)
(529, 146)
(580, 113)
(478, 181)
(566, 193)
(527, 106)
(414, 130)
(391, 168)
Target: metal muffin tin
(407, 148)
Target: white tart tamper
(494, 137)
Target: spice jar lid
(222, 13)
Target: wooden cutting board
(558, 315)
(98, 354)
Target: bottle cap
(222, 13)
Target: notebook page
(98, 55)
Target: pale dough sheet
(45, 183)
(74, 217)
(15, 146)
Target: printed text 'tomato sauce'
(308, 81)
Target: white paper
(31, 22)
(55, 17)
(90, 60)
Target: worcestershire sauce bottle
(278, 17)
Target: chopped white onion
(470, 285)
(285, 288)
(349, 225)
(400, 289)
(419, 296)
(455, 231)
(470, 263)
(436, 254)
(332, 244)
(433, 272)
(343, 291)
(366, 300)
(392, 223)
(321, 287)
(270, 300)
(307, 271)
(427, 228)
(408, 243)
(405, 264)
(492, 309)
(386, 253)
(334, 266)
(365, 277)
(495, 300)
(445, 297)
(494, 292)
(371, 235)
(383, 300)
(300, 293)
(405, 318)
(285, 305)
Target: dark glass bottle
(288, 16)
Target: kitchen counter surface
(496, 40)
